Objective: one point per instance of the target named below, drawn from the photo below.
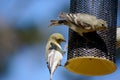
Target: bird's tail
(50, 76)
(53, 22)
(57, 22)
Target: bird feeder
(97, 57)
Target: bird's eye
(102, 24)
(59, 40)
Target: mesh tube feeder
(98, 58)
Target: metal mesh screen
(103, 44)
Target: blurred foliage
(29, 35)
(11, 38)
(8, 40)
(8, 44)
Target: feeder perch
(97, 58)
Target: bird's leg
(60, 64)
(65, 48)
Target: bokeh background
(23, 35)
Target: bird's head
(57, 37)
(103, 24)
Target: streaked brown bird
(80, 23)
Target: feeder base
(90, 66)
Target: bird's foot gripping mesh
(96, 57)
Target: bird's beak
(64, 40)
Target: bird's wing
(67, 16)
(56, 47)
(85, 21)
(78, 19)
